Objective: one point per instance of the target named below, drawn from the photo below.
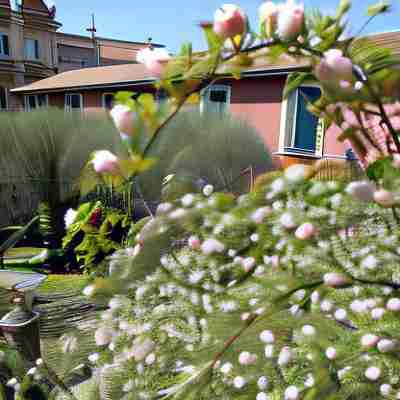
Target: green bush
(214, 148)
(46, 151)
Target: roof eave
(83, 87)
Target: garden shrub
(46, 151)
(291, 289)
(94, 232)
(209, 147)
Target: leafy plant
(95, 233)
(46, 151)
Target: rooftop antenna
(93, 31)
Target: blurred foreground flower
(105, 162)
(154, 60)
(230, 21)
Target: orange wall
(258, 100)
(331, 145)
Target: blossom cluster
(276, 294)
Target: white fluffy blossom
(69, 217)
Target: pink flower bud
(335, 280)
(384, 198)
(362, 190)
(305, 231)
(105, 162)
(194, 242)
(154, 60)
(230, 21)
(393, 304)
(290, 20)
(334, 68)
(123, 119)
(369, 340)
(387, 346)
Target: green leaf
(294, 81)
(213, 40)
(146, 100)
(88, 180)
(125, 98)
(201, 69)
(186, 49)
(344, 8)
(17, 236)
(381, 7)
(378, 169)
(135, 165)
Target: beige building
(28, 45)
(31, 48)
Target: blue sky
(173, 21)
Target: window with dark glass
(34, 101)
(216, 99)
(302, 127)
(108, 100)
(4, 45)
(73, 101)
(3, 99)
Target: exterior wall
(259, 101)
(34, 22)
(73, 57)
(331, 146)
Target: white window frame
(205, 96)
(2, 52)
(37, 106)
(103, 99)
(69, 108)
(283, 139)
(34, 40)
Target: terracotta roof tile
(390, 40)
(89, 77)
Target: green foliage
(15, 238)
(210, 147)
(198, 308)
(383, 6)
(46, 151)
(95, 233)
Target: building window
(34, 101)
(3, 99)
(31, 49)
(301, 131)
(73, 101)
(4, 46)
(108, 101)
(216, 99)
